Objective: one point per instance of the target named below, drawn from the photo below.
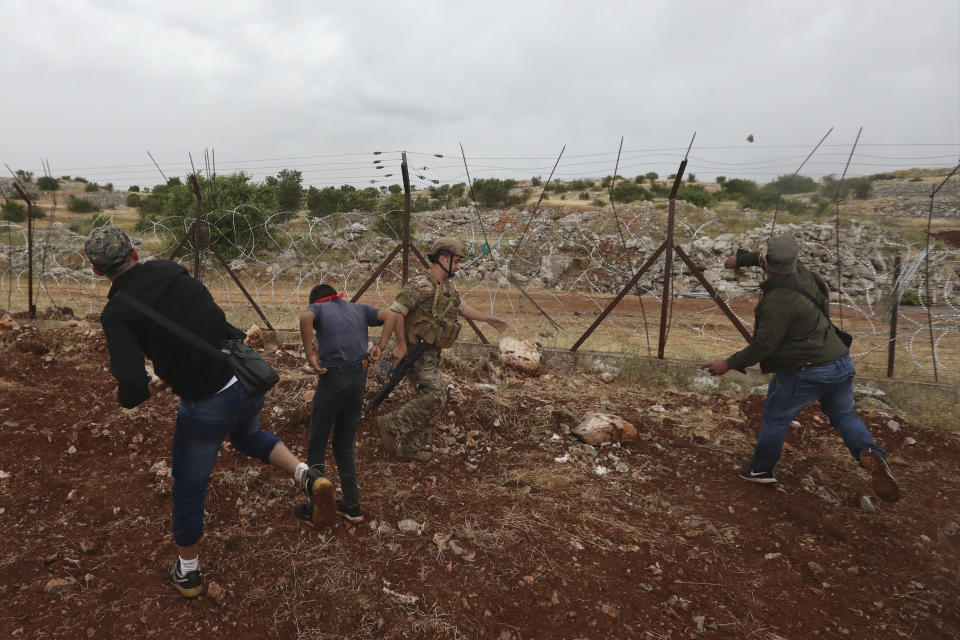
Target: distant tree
(395, 188)
(737, 187)
(47, 183)
(322, 202)
(108, 186)
(640, 179)
(721, 180)
(134, 189)
(492, 192)
(458, 190)
(695, 194)
(91, 187)
(627, 191)
(65, 178)
(691, 178)
(652, 176)
(13, 211)
(24, 176)
(794, 184)
(536, 181)
(133, 200)
(289, 191)
(174, 181)
(81, 205)
(80, 179)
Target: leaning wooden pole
(31, 307)
(405, 242)
(668, 260)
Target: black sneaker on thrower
(759, 477)
(350, 514)
(190, 585)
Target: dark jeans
(337, 402)
(201, 427)
(788, 393)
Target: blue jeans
(201, 427)
(788, 393)
(337, 402)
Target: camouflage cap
(782, 254)
(107, 248)
(451, 245)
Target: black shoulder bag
(845, 337)
(252, 371)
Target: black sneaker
(760, 477)
(350, 514)
(320, 492)
(881, 477)
(189, 585)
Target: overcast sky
(91, 86)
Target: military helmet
(450, 245)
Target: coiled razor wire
(574, 260)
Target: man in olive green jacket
(795, 340)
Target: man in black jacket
(794, 339)
(213, 405)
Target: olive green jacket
(789, 330)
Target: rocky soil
(516, 530)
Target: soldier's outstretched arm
(471, 313)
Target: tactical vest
(441, 327)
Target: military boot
(389, 443)
(419, 456)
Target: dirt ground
(523, 532)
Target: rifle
(394, 375)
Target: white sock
(186, 566)
(299, 471)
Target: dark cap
(107, 248)
(782, 255)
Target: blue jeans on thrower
(788, 393)
(337, 402)
(201, 426)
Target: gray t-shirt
(341, 329)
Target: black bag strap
(172, 326)
(805, 293)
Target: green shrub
(133, 200)
(691, 178)
(581, 185)
(91, 186)
(536, 181)
(652, 176)
(786, 184)
(916, 179)
(493, 192)
(640, 179)
(108, 186)
(390, 223)
(695, 195)
(134, 189)
(910, 299)
(721, 180)
(599, 202)
(628, 192)
(24, 176)
(583, 195)
(80, 179)
(13, 211)
(81, 205)
(47, 183)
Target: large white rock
(521, 355)
(597, 428)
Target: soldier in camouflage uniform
(428, 307)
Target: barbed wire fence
(569, 262)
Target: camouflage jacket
(431, 309)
